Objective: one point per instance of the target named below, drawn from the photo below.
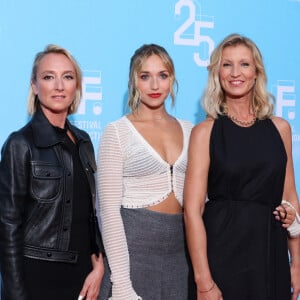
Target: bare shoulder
(201, 132)
(204, 127)
(282, 125)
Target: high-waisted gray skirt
(160, 268)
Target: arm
(194, 202)
(290, 194)
(14, 168)
(110, 189)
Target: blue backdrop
(103, 35)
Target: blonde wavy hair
(213, 99)
(136, 63)
(32, 99)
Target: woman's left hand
(285, 214)
(92, 283)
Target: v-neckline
(151, 148)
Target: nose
(59, 85)
(154, 83)
(235, 70)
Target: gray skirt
(160, 268)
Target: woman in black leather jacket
(50, 244)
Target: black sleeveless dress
(247, 247)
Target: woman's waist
(161, 201)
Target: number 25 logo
(197, 38)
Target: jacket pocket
(47, 181)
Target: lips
(236, 82)
(154, 95)
(58, 96)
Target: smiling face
(55, 84)
(153, 82)
(237, 72)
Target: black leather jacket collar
(44, 134)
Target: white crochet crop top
(132, 174)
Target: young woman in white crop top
(141, 170)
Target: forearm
(117, 253)
(294, 248)
(13, 286)
(196, 240)
(294, 228)
(11, 255)
(13, 193)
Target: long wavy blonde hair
(213, 99)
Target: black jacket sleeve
(13, 191)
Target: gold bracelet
(205, 291)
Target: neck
(56, 119)
(151, 115)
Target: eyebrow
(162, 71)
(52, 71)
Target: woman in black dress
(240, 158)
(50, 244)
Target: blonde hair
(213, 99)
(32, 99)
(136, 63)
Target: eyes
(242, 64)
(48, 77)
(162, 75)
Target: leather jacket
(36, 189)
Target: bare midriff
(170, 205)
